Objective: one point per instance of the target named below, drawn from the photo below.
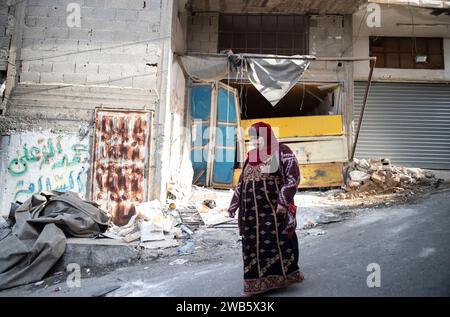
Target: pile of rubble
(378, 177)
(159, 226)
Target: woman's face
(257, 142)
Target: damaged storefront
(278, 68)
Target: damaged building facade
(407, 118)
(85, 84)
(106, 107)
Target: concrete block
(86, 68)
(99, 13)
(64, 67)
(110, 69)
(48, 56)
(125, 36)
(64, 45)
(153, 5)
(117, 26)
(57, 10)
(98, 35)
(119, 81)
(50, 78)
(40, 67)
(48, 44)
(214, 21)
(145, 82)
(95, 3)
(125, 4)
(149, 16)
(33, 33)
(74, 78)
(30, 21)
(97, 254)
(194, 45)
(136, 26)
(37, 10)
(135, 49)
(129, 70)
(126, 15)
(148, 37)
(209, 47)
(84, 45)
(58, 33)
(30, 77)
(214, 37)
(4, 42)
(96, 24)
(202, 36)
(97, 79)
(80, 34)
(47, 21)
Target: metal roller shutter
(408, 123)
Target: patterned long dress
(270, 256)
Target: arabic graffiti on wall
(46, 161)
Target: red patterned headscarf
(271, 145)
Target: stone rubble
(378, 176)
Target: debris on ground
(186, 248)
(211, 204)
(178, 262)
(378, 177)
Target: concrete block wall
(6, 29)
(203, 32)
(327, 36)
(115, 41)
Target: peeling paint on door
(121, 155)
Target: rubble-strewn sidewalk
(191, 228)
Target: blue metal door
(225, 137)
(200, 104)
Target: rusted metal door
(121, 155)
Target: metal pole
(366, 94)
(302, 57)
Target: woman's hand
(231, 214)
(281, 209)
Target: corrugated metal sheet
(121, 154)
(408, 123)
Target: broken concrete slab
(101, 253)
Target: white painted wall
(390, 16)
(41, 161)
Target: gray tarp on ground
(38, 238)
(274, 78)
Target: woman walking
(266, 217)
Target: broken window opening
(304, 99)
(2, 86)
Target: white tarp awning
(274, 78)
(432, 4)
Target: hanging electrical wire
(303, 97)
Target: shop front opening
(304, 99)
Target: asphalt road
(410, 243)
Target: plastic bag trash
(186, 249)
